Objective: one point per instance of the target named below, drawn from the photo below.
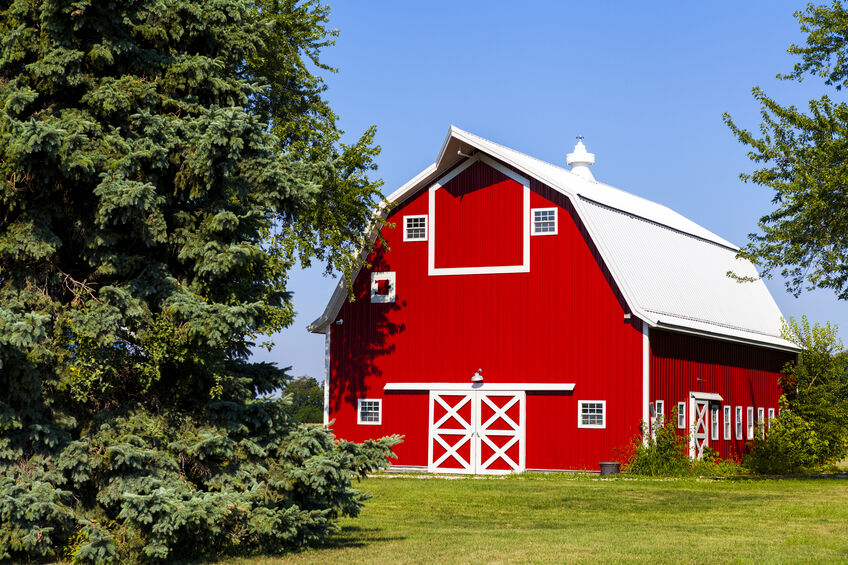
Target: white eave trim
(533, 387)
(706, 396)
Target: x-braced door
(476, 432)
(700, 427)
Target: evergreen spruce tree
(163, 164)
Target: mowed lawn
(584, 519)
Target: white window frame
(750, 414)
(406, 227)
(770, 416)
(580, 423)
(375, 281)
(761, 421)
(728, 424)
(533, 221)
(738, 422)
(681, 415)
(660, 412)
(714, 423)
(379, 402)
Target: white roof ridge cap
(730, 247)
(468, 133)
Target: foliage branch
(163, 164)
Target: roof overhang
(458, 145)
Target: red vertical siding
(480, 220)
(743, 375)
(563, 322)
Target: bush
(711, 465)
(792, 445)
(141, 486)
(665, 453)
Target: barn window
(727, 422)
(592, 414)
(750, 415)
(771, 417)
(415, 228)
(657, 416)
(761, 421)
(369, 412)
(714, 420)
(544, 221)
(383, 287)
(681, 415)
(738, 422)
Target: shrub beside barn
(525, 316)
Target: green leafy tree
(816, 387)
(163, 164)
(307, 400)
(802, 153)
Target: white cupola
(580, 160)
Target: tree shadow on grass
(347, 537)
(355, 536)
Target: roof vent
(580, 160)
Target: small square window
(415, 228)
(544, 221)
(383, 287)
(681, 415)
(592, 414)
(369, 412)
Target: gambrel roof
(671, 271)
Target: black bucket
(610, 468)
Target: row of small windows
(658, 414)
(590, 414)
(544, 223)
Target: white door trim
(477, 432)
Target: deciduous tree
(802, 158)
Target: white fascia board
(734, 336)
(537, 387)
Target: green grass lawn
(567, 518)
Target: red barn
(526, 316)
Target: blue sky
(645, 83)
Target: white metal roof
(672, 272)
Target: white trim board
(532, 387)
(524, 267)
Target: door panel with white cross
(476, 432)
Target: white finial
(580, 160)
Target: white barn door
(700, 427)
(476, 432)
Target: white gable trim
(524, 267)
(490, 151)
